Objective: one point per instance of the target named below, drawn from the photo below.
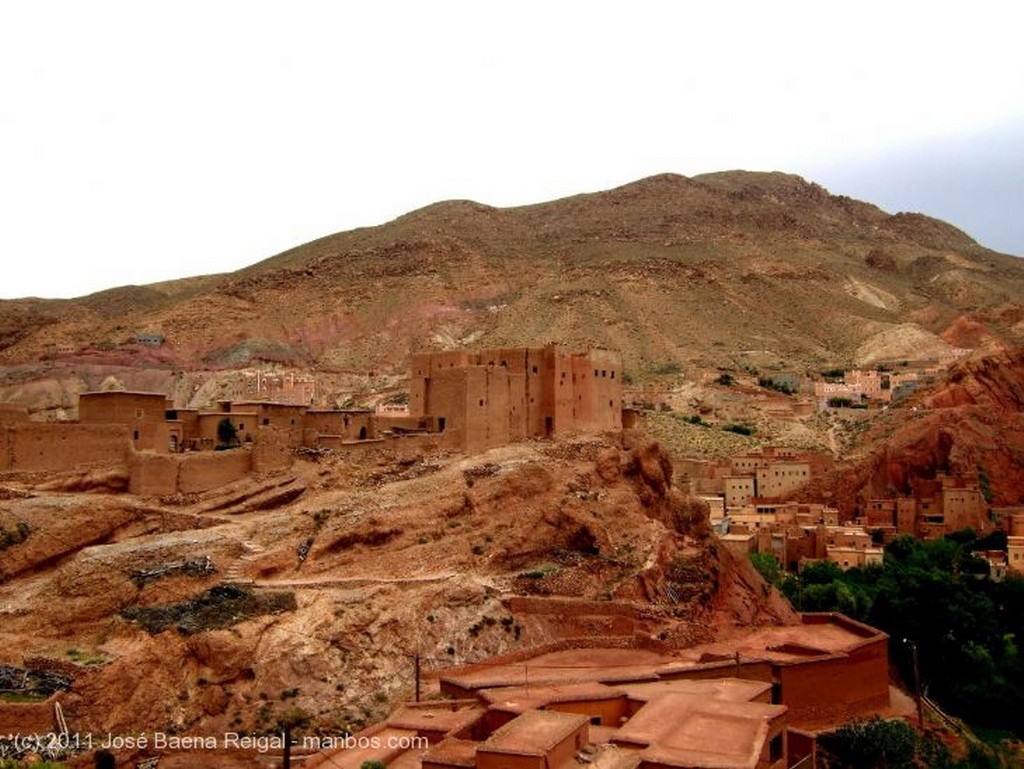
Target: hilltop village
(606, 692)
(474, 401)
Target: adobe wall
(194, 473)
(517, 412)
(801, 745)
(567, 607)
(13, 413)
(400, 443)
(610, 710)
(350, 425)
(539, 403)
(142, 413)
(606, 390)
(153, 474)
(750, 670)
(202, 472)
(494, 759)
(497, 400)
(561, 385)
(272, 450)
(244, 422)
(501, 395)
(40, 446)
(856, 683)
(962, 508)
(562, 753)
(447, 394)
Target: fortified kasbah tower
(479, 400)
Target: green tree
(227, 433)
(768, 567)
(871, 744)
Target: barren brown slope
(332, 591)
(667, 269)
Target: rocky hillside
(668, 269)
(972, 420)
(225, 612)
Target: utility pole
(917, 682)
(417, 662)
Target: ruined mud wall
(158, 474)
(40, 447)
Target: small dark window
(604, 374)
(534, 369)
(241, 426)
(293, 422)
(611, 405)
(595, 372)
(136, 435)
(595, 720)
(362, 433)
(440, 424)
(481, 401)
(613, 375)
(266, 421)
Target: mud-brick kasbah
(618, 701)
(461, 401)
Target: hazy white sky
(142, 141)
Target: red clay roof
(453, 752)
(433, 719)
(693, 731)
(534, 733)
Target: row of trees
(935, 594)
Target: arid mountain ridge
(667, 269)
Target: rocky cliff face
(203, 615)
(970, 421)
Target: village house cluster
(871, 385)
(756, 701)
(748, 496)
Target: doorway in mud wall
(549, 426)
(440, 424)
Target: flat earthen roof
(521, 698)
(722, 689)
(693, 731)
(562, 667)
(792, 642)
(534, 733)
(453, 752)
(434, 718)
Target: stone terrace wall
(42, 447)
